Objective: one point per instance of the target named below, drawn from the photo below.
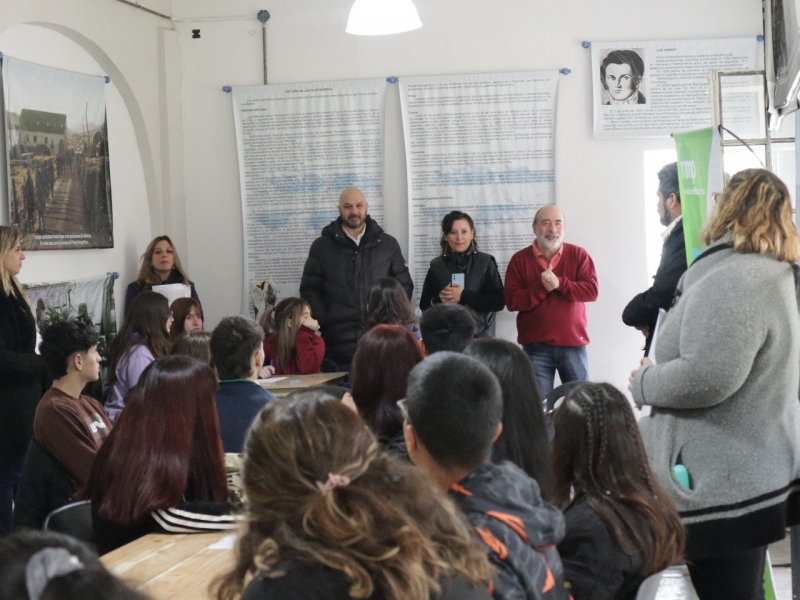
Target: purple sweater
(129, 369)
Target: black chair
(552, 399)
(43, 487)
(73, 519)
(549, 402)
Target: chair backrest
(73, 519)
(549, 401)
(649, 587)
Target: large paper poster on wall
(299, 146)
(88, 301)
(482, 144)
(59, 189)
(654, 89)
(700, 179)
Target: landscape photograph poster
(59, 189)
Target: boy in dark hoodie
(453, 412)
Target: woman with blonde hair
(22, 371)
(161, 265)
(330, 516)
(292, 345)
(724, 433)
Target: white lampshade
(381, 17)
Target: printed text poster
(482, 144)
(299, 146)
(655, 89)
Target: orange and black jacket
(519, 529)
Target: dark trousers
(735, 577)
(11, 460)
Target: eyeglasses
(403, 406)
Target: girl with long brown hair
(621, 525)
(388, 304)
(384, 357)
(292, 345)
(22, 371)
(161, 469)
(188, 316)
(144, 337)
(331, 516)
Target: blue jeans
(11, 460)
(570, 362)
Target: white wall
(173, 152)
(104, 37)
(599, 184)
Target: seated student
(44, 565)
(331, 517)
(621, 524)
(388, 304)
(237, 355)
(68, 425)
(453, 409)
(143, 338)
(161, 470)
(194, 344)
(384, 357)
(188, 316)
(292, 346)
(446, 327)
(524, 440)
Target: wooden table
(171, 566)
(292, 383)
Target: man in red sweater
(548, 282)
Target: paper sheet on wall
(654, 89)
(482, 144)
(299, 146)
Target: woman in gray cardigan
(724, 390)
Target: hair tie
(334, 481)
(46, 565)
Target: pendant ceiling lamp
(382, 17)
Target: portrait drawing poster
(299, 146)
(482, 144)
(655, 89)
(59, 188)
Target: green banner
(699, 176)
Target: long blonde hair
(10, 237)
(147, 273)
(382, 523)
(283, 321)
(755, 211)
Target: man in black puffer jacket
(343, 264)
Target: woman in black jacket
(463, 275)
(22, 371)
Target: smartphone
(458, 279)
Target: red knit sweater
(558, 317)
(307, 357)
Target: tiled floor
(676, 585)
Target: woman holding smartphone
(462, 275)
